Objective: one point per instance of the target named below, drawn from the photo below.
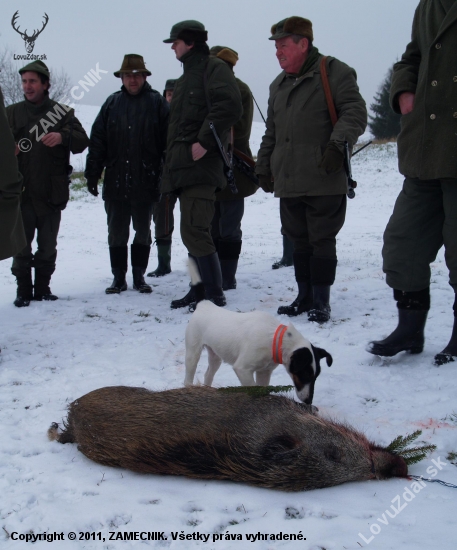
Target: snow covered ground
(54, 352)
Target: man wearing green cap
(162, 214)
(301, 158)
(226, 224)
(128, 140)
(206, 92)
(44, 131)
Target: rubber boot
(42, 280)
(409, 335)
(210, 271)
(287, 254)
(139, 256)
(229, 253)
(163, 257)
(323, 272)
(320, 312)
(449, 353)
(118, 257)
(304, 301)
(24, 286)
(189, 298)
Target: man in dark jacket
(12, 237)
(303, 153)
(207, 92)
(229, 206)
(128, 140)
(162, 214)
(45, 131)
(424, 91)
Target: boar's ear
(320, 353)
(279, 448)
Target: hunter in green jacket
(206, 92)
(42, 128)
(301, 158)
(424, 91)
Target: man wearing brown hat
(226, 224)
(162, 214)
(207, 92)
(128, 141)
(44, 131)
(301, 158)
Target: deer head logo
(29, 41)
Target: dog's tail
(196, 280)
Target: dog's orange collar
(276, 348)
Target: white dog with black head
(254, 343)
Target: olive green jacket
(299, 128)
(12, 237)
(45, 168)
(427, 144)
(241, 135)
(189, 122)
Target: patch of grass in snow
(452, 457)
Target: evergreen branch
(400, 442)
(256, 391)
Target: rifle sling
(328, 91)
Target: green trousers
(424, 218)
(197, 212)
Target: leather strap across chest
(276, 347)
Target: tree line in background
(383, 124)
(10, 80)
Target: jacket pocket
(181, 155)
(60, 192)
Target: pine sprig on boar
(256, 391)
(412, 455)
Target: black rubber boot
(287, 254)
(139, 255)
(118, 257)
(42, 281)
(229, 253)
(320, 312)
(323, 272)
(163, 257)
(304, 301)
(449, 353)
(24, 286)
(189, 298)
(409, 335)
(210, 271)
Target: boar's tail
(196, 280)
(62, 437)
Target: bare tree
(10, 80)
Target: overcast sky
(368, 35)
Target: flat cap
(37, 67)
(292, 25)
(188, 30)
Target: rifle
(228, 161)
(352, 184)
(245, 165)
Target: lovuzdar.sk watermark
(29, 39)
(400, 502)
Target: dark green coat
(299, 128)
(45, 168)
(242, 133)
(189, 122)
(427, 144)
(12, 237)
